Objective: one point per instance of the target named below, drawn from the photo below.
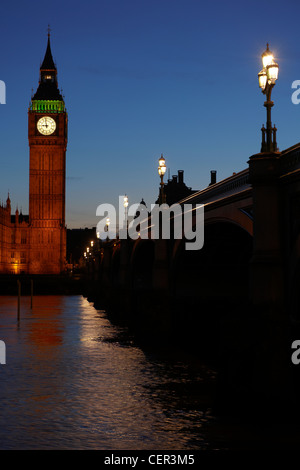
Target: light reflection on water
(72, 380)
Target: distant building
(175, 189)
(79, 240)
(36, 243)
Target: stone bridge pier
(273, 177)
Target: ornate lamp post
(107, 224)
(266, 79)
(161, 171)
(125, 203)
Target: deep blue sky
(141, 78)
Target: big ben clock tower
(47, 134)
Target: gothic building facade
(36, 243)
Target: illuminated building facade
(36, 243)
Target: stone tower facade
(47, 134)
(36, 243)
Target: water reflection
(75, 381)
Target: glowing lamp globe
(267, 57)
(262, 79)
(272, 72)
(162, 166)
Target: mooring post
(19, 298)
(31, 282)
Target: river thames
(73, 380)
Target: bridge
(239, 295)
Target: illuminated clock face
(46, 125)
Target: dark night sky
(141, 78)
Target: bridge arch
(294, 284)
(208, 283)
(141, 265)
(232, 215)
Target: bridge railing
(232, 184)
(290, 159)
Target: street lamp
(161, 171)
(266, 80)
(125, 203)
(107, 223)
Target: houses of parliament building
(36, 243)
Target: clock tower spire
(47, 134)
(48, 86)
